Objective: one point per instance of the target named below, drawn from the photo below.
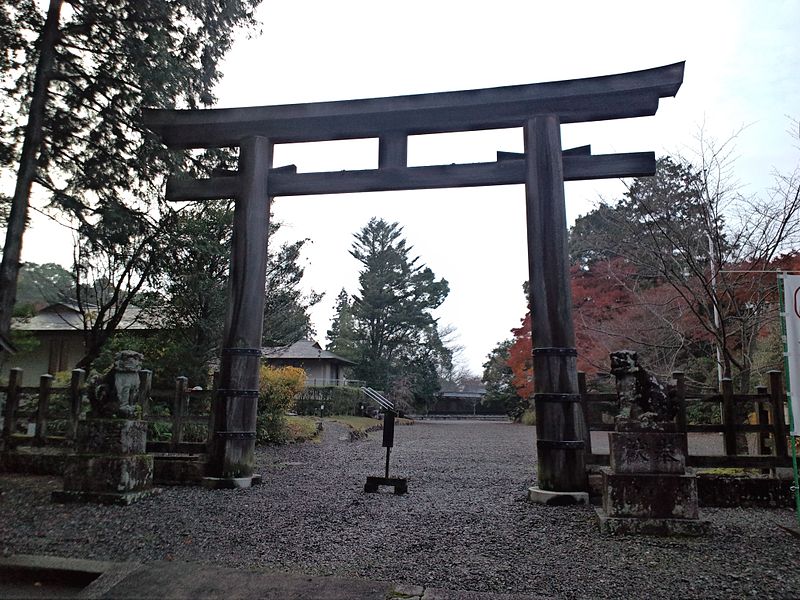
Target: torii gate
(538, 108)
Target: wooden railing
(766, 407)
(33, 405)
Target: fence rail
(766, 406)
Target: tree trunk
(9, 268)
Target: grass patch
(302, 429)
(528, 417)
(733, 471)
(364, 424)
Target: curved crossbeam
(618, 96)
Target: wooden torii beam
(538, 108)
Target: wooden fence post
(45, 384)
(212, 400)
(145, 384)
(587, 448)
(682, 421)
(777, 397)
(75, 397)
(12, 402)
(729, 416)
(178, 411)
(762, 418)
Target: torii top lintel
(618, 96)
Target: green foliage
(528, 417)
(44, 284)
(342, 334)
(193, 291)
(102, 172)
(278, 388)
(388, 328)
(501, 393)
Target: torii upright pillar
(560, 426)
(231, 459)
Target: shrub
(278, 388)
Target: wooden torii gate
(538, 108)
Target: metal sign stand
(373, 484)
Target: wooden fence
(179, 410)
(766, 407)
(172, 410)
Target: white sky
(742, 69)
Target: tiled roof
(300, 350)
(65, 316)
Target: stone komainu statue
(114, 394)
(641, 396)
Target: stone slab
(646, 452)
(550, 498)
(108, 474)
(111, 436)
(181, 581)
(650, 495)
(652, 526)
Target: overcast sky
(742, 70)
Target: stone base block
(108, 474)
(34, 461)
(650, 496)
(175, 469)
(646, 452)
(651, 526)
(111, 436)
(124, 498)
(229, 483)
(550, 498)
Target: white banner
(791, 304)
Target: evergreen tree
(82, 75)
(395, 333)
(342, 334)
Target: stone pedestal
(646, 490)
(110, 466)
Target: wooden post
(145, 385)
(560, 427)
(75, 398)
(45, 383)
(680, 396)
(762, 418)
(12, 402)
(728, 416)
(178, 411)
(587, 449)
(777, 398)
(231, 459)
(213, 392)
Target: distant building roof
(65, 316)
(302, 350)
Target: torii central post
(539, 109)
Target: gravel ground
(465, 524)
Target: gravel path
(464, 525)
